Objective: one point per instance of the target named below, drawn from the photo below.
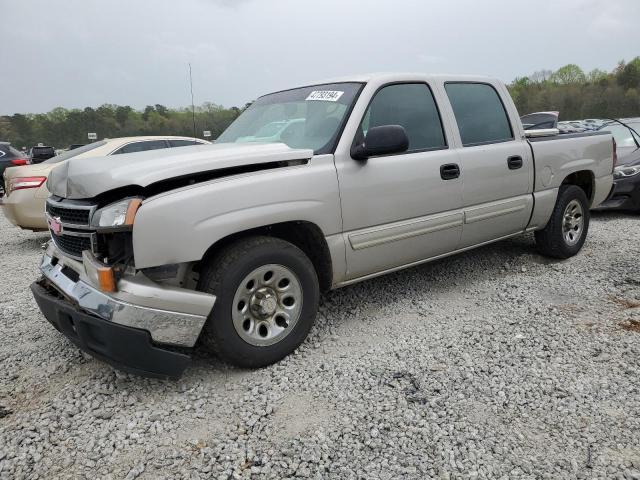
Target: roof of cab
(390, 77)
(151, 137)
(399, 76)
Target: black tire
(221, 276)
(550, 240)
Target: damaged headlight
(118, 215)
(624, 171)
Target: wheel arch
(585, 179)
(305, 235)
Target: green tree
(596, 75)
(568, 74)
(629, 76)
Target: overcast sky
(77, 53)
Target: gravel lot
(494, 364)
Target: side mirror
(383, 140)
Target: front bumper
(125, 348)
(160, 316)
(625, 195)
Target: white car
(26, 189)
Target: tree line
(571, 91)
(578, 95)
(62, 127)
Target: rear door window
(183, 143)
(480, 113)
(142, 146)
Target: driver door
(401, 208)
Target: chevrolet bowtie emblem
(54, 225)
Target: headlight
(118, 215)
(624, 171)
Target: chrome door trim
(420, 262)
(494, 209)
(387, 233)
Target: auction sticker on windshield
(325, 95)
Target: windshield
(74, 152)
(622, 134)
(309, 117)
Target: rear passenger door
(497, 166)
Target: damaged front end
(92, 292)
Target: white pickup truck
(309, 189)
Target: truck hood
(84, 178)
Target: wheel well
(583, 179)
(307, 236)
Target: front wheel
(267, 297)
(567, 228)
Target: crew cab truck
(230, 245)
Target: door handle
(514, 162)
(449, 171)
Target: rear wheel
(567, 228)
(267, 297)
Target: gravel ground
(494, 364)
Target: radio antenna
(193, 105)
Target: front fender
(180, 226)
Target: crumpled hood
(83, 178)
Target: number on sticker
(325, 95)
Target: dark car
(625, 194)
(9, 157)
(40, 153)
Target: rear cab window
(480, 114)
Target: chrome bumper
(165, 326)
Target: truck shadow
(613, 216)
(505, 258)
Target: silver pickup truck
(310, 189)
